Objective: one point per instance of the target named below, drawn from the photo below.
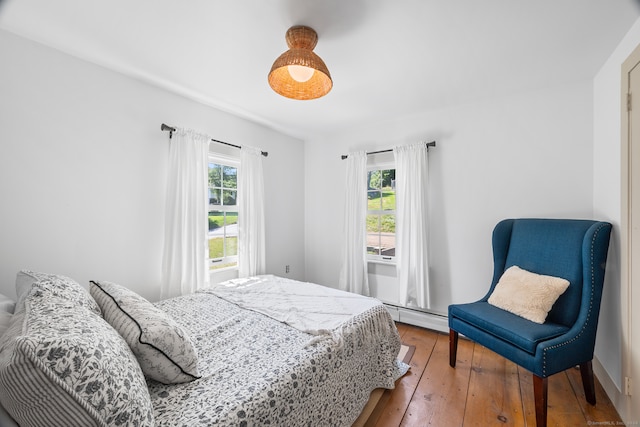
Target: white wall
(607, 205)
(525, 155)
(83, 164)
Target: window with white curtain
(381, 213)
(223, 212)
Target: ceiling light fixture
(299, 73)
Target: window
(381, 214)
(223, 213)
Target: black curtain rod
(171, 130)
(429, 144)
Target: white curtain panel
(186, 248)
(251, 228)
(353, 276)
(412, 231)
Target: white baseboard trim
(620, 401)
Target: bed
(251, 352)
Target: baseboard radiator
(424, 319)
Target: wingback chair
(575, 250)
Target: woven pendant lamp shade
(301, 41)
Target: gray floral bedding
(257, 371)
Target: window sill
(222, 269)
(222, 274)
(381, 261)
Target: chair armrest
(566, 351)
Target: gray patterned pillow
(62, 364)
(55, 284)
(163, 348)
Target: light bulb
(300, 73)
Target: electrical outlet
(287, 269)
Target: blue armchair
(575, 250)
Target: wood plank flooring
(484, 389)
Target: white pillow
(5, 320)
(24, 281)
(7, 304)
(527, 294)
(163, 348)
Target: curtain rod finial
(164, 127)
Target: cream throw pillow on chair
(527, 294)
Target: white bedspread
(314, 309)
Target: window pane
(373, 223)
(374, 180)
(230, 177)
(216, 249)
(231, 239)
(229, 197)
(232, 218)
(216, 221)
(214, 196)
(374, 203)
(215, 175)
(388, 223)
(373, 244)
(231, 246)
(388, 200)
(388, 177)
(388, 189)
(388, 235)
(387, 244)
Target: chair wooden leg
(540, 389)
(586, 371)
(453, 347)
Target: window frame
(223, 160)
(382, 259)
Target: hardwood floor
(483, 390)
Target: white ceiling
(388, 58)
